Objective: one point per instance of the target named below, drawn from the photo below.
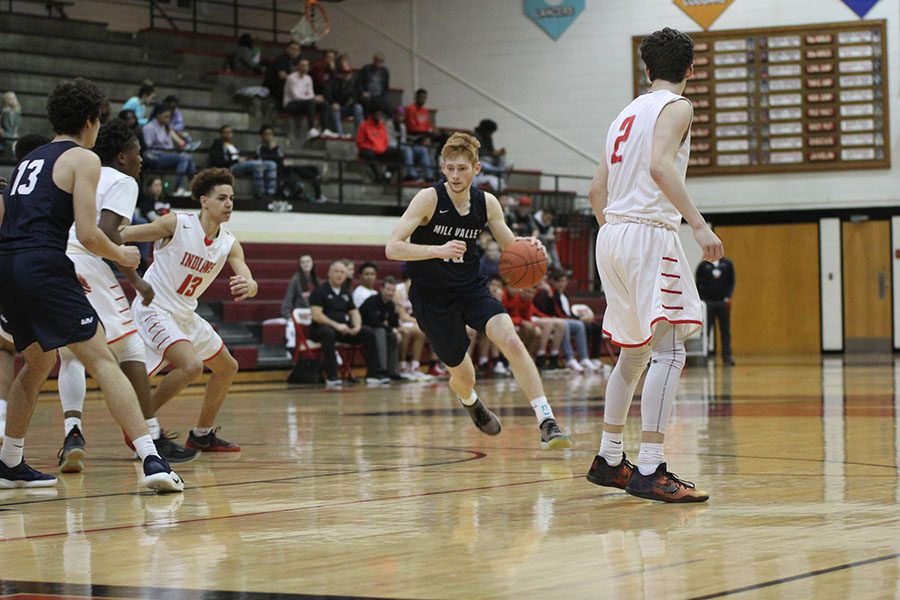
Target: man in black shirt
(380, 313)
(715, 282)
(278, 72)
(336, 319)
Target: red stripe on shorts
(673, 307)
(670, 291)
(670, 259)
(670, 275)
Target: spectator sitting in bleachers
(10, 115)
(490, 262)
(152, 203)
(417, 162)
(493, 161)
(131, 120)
(341, 96)
(163, 153)
(420, 133)
(413, 342)
(351, 269)
(488, 350)
(368, 275)
(223, 153)
(290, 177)
(246, 56)
(529, 332)
(278, 71)
(372, 86)
(551, 330)
(521, 217)
(141, 104)
(543, 229)
(177, 124)
(379, 312)
(337, 319)
(323, 71)
(301, 100)
(552, 300)
(301, 284)
(372, 141)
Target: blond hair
(11, 102)
(461, 144)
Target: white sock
(12, 451)
(540, 353)
(145, 447)
(201, 431)
(414, 365)
(542, 409)
(650, 457)
(153, 427)
(482, 360)
(72, 422)
(472, 399)
(611, 448)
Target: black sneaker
(210, 442)
(484, 419)
(159, 476)
(71, 455)
(171, 451)
(664, 486)
(552, 437)
(23, 476)
(601, 473)
(540, 362)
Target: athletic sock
(611, 448)
(12, 451)
(145, 447)
(472, 399)
(542, 409)
(153, 427)
(71, 423)
(482, 361)
(201, 431)
(650, 457)
(415, 365)
(540, 353)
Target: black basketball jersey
(38, 215)
(447, 224)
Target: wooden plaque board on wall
(787, 99)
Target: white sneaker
(587, 364)
(313, 133)
(500, 369)
(597, 364)
(332, 383)
(329, 133)
(406, 376)
(181, 193)
(377, 380)
(574, 365)
(420, 376)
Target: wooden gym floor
(392, 493)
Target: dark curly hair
(71, 104)
(29, 142)
(668, 54)
(204, 181)
(114, 137)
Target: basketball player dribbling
(442, 224)
(190, 251)
(117, 194)
(639, 197)
(41, 296)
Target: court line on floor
(799, 576)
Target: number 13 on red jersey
(626, 131)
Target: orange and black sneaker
(210, 442)
(601, 473)
(664, 486)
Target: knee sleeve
(129, 349)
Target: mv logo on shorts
(87, 320)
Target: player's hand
(242, 288)
(709, 243)
(452, 250)
(129, 257)
(342, 328)
(536, 243)
(84, 283)
(145, 290)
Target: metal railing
(237, 18)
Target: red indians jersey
(183, 268)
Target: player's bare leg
(501, 331)
(462, 381)
(203, 436)
(7, 374)
(186, 367)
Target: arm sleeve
(121, 198)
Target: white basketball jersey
(116, 192)
(186, 266)
(629, 143)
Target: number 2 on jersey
(189, 286)
(626, 131)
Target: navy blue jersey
(447, 224)
(38, 215)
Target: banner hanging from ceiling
(860, 7)
(704, 12)
(554, 18)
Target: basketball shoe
(71, 455)
(664, 486)
(484, 419)
(210, 442)
(171, 451)
(552, 437)
(159, 476)
(23, 476)
(601, 473)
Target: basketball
(522, 265)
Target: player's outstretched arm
(242, 284)
(160, 229)
(110, 224)
(83, 168)
(419, 212)
(598, 194)
(499, 228)
(671, 128)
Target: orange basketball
(522, 265)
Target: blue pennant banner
(860, 7)
(554, 18)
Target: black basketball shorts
(42, 300)
(444, 314)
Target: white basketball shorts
(160, 329)
(106, 296)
